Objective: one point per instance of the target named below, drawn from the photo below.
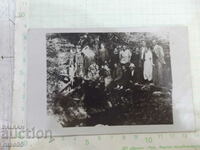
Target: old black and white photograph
(109, 78)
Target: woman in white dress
(148, 65)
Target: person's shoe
(151, 84)
(136, 83)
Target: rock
(145, 88)
(82, 114)
(160, 93)
(109, 104)
(157, 93)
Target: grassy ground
(141, 105)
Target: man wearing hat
(159, 60)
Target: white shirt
(125, 56)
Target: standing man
(103, 54)
(159, 62)
(89, 57)
(79, 62)
(137, 62)
(71, 55)
(96, 45)
(116, 75)
(115, 55)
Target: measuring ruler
(6, 67)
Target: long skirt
(148, 70)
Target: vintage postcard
(109, 81)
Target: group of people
(120, 67)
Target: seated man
(126, 78)
(117, 72)
(124, 81)
(120, 77)
(116, 76)
(93, 72)
(131, 75)
(106, 74)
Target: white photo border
(182, 100)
